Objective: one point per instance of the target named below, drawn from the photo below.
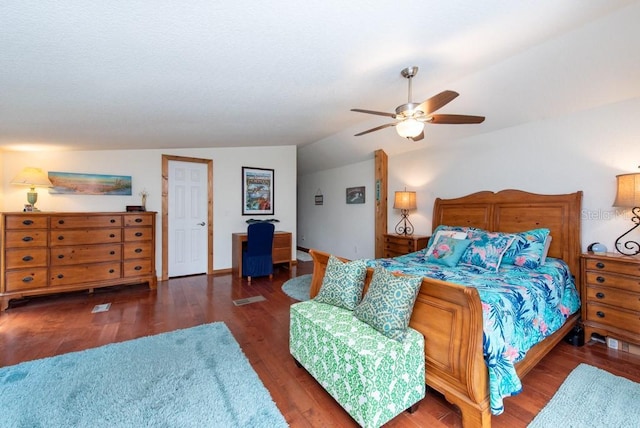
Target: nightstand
(398, 245)
(610, 294)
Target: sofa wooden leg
(413, 408)
(297, 363)
(249, 279)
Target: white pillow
(450, 233)
(547, 244)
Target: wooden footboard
(450, 318)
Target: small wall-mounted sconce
(32, 177)
(404, 201)
(628, 196)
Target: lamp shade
(628, 191)
(32, 177)
(409, 128)
(405, 200)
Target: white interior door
(187, 218)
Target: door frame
(165, 211)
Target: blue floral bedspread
(520, 307)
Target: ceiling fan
(411, 116)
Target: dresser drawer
(26, 279)
(26, 258)
(25, 238)
(134, 268)
(132, 234)
(612, 280)
(137, 250)
(281, 255)
(26, 222)
(137, 220)
(613, 266)
(80, 222)
(614, 297)
(86, 254)
(614, 317)
(83, 237)
(282, 240)
(64, 275)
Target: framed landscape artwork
(257, 191)
(355, 195)
(89, 184)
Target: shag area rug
(298, 288)
(591, 397)
(196, 377)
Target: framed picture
(89, 184)
(257, 191)
(355, 195)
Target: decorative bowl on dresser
(611, 296)
(46, 253)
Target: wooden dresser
(611, 296)
(45, 253)
(398, 245)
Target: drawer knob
(600, 265)
(112, 236)
(61, 256)
(27, 239)
(600, 314)
(600, 295)
(138, 268)
(60, 276)
(138, 220)
(27, 222)
(27, 279)
(60, 238)
(112, 252)
(600, 279)
(138, 250)
(27, 258)
(138, 233)
(113, 220)
(111, 270)
(60, 221)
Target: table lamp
(32, 177)
(628, 196)
(404, 201)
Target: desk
(281, 250)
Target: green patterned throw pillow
(389, 301)
(343, 283)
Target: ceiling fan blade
(455, 119)
(379, 113)
(377, 128)
(437, 101)
(418, 138)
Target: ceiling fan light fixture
(409, 128)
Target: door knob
(201, 223)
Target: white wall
(345, 229)
(145, 168)
(582, 151)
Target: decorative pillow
(527, 249)
(486, 249)
(342, 283)
(444, 228)
(450, 233)
(389, 301)
(547, 244)
(448, 250)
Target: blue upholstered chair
(257, 259)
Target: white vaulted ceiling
(168, 74)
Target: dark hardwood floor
(47, 326)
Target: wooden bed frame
(450, 315)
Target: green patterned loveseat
(373, 377)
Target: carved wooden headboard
(518, 211)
